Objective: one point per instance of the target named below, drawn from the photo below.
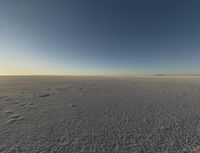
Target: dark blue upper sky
(100, 37)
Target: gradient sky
(99, 37)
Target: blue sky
(92, 37)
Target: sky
(99, 37)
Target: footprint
(12, 120)
(20, 118)
(8, 111)
(15, 116)
(29, 108)
(21, 104)
(8, 99)
(31, 104)
(44, 95)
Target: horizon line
(85, 75)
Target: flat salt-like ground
(99, 114)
